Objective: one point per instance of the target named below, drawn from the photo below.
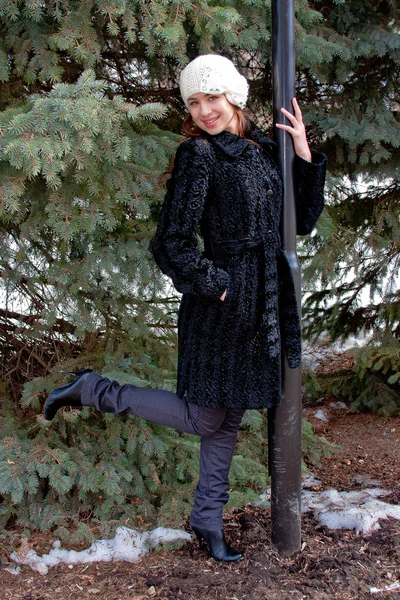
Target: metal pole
(284, 422)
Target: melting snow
(338, 405)
(128, 544)
(360, 511)
(321, 414)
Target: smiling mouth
(210, 122)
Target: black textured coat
(230, 189)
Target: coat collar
(258, 136)
(234, 145)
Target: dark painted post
(285, 421)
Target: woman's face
(213, 113)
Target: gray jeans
(217, 428)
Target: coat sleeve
(175, 246)
(309, 180)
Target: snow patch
(309, 481)
(321, 415)
(13, 570)
(338, 405)
(360, 511)
(128, 544)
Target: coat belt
(277, 285)
(220, 248)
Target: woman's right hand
(224, 295)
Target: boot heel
(216, 545)
(66, 395)
(199, 536)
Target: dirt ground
(332, 565)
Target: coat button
(270, 193)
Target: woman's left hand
(297, 131)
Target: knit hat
(214, 74)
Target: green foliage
(314, 447)
(369, 378)
(353, 273)
(79, 183)
(82, 149)
(249, 471)
(53, 477)
(351, 265)
(80, 160)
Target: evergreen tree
(353, 274)
(80, 160)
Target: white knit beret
(214, 74)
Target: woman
(238, 300)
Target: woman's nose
(205, 109)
